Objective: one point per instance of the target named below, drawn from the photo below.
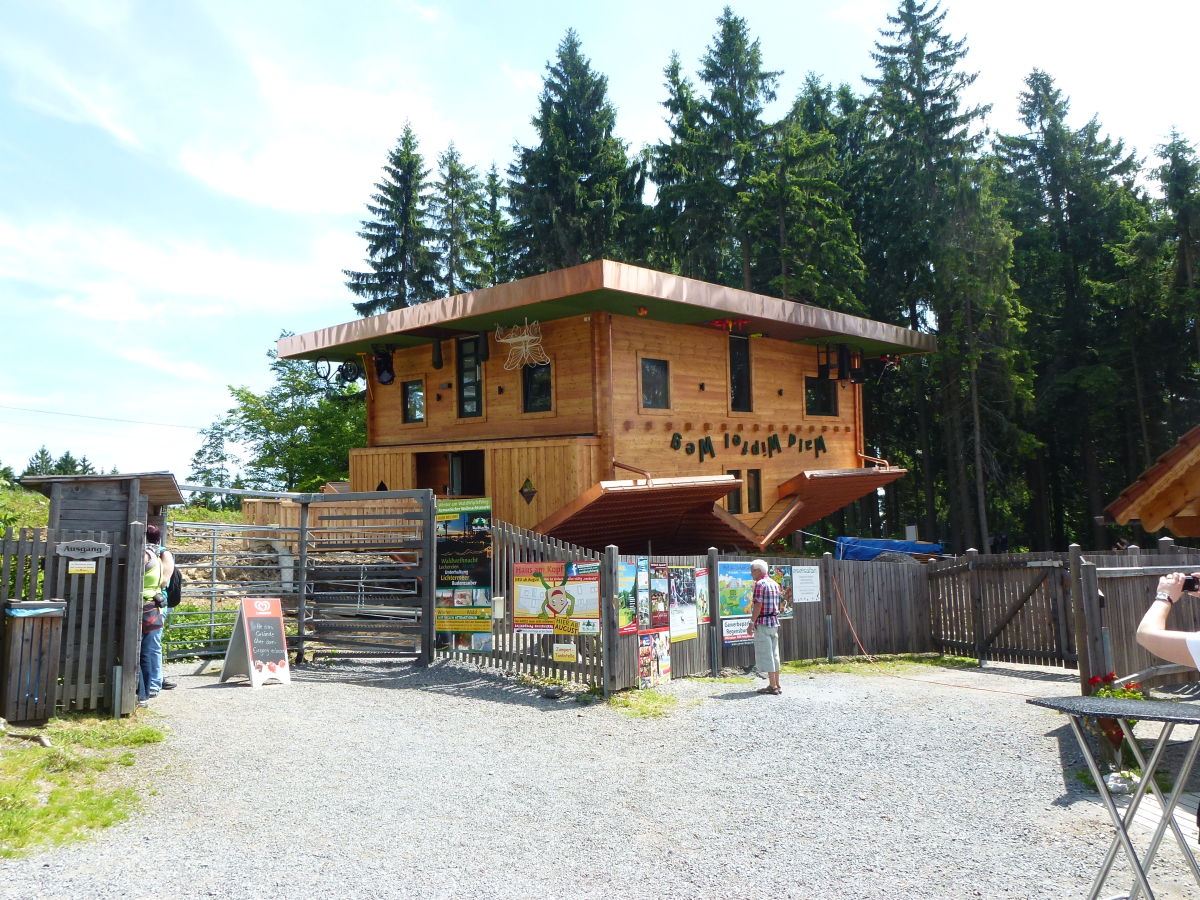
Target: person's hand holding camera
(1175, 584)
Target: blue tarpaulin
(869, 548)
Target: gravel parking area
(380, 780)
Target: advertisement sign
(660, 599)
(736, 630)
(556, 597)
(627, 597)
(258, 648)
(682, 584)
(735, 588)
(643, 593)
(703, 610)
(654, 659)
(782, 576)
(463, 592)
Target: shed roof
(604, 286)
(159, 488)
(1167, 495)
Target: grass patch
(649, 704)
(55, 795)
(860, 665)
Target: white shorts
(766, 648)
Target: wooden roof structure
(1167, 495)
(159, 488)
(603, 286)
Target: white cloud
(522, 79)
(107, 274)
(169, 362)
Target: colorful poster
(627, 597)
(682, 585)
(643, 593)
(556, 597)
(463, 595)
(703, 610)
(654, 659)
(806, 584)
(782, 576)
(660, 598)
(735, 588)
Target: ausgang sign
(82, 549)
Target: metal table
(1169, 714)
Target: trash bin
(32, 646)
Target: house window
(820, 396)
(535, 387)
(470, 378)
(740, 399)
(656, 384)
(733, 500)
(753, 490)
(413, 393)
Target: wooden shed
(608, 403)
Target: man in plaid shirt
(764, 626)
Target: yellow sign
(565, 653)
(81, 567)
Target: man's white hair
(760, 565)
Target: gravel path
(378, 780)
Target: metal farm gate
(1012, 607)
(355, 573)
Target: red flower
(1133, 686)
(1094, 680)
(1111, 676)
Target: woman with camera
(1182, 647)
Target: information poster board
(806, 584)
(660, 599)
(258, 645)
(627, 579)
(463, 593)
(782, 576)
(556, 597)
(681, 582)
(735, 586)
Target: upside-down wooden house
(608, 403)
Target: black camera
(1191, 583)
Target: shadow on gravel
(448, 678)
(1055, 676)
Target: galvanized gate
(355, 573)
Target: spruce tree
(738, 89)
(402, 266)
(575, 194)
(458, 214)
(41, 463)
(495, 239)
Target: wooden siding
(559, 468)
(569, 345)
(700, 356)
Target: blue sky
(183, 179)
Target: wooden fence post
(825, 580)
(976, 603)
(715, 644)
(609, 625)
(1083, 634)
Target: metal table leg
(1122, 836)
(1169, 804)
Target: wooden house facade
(608, 403)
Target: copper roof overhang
(1167, 494)
(817, 493)
(671, 515)
(159, 488)
(603, 286)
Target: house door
(466, 474)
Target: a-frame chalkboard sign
(258, 647)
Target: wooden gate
(1013, 607)
(103, 607)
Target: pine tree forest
(1058, 272)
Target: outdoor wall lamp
(381, 355)
(528, 491)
